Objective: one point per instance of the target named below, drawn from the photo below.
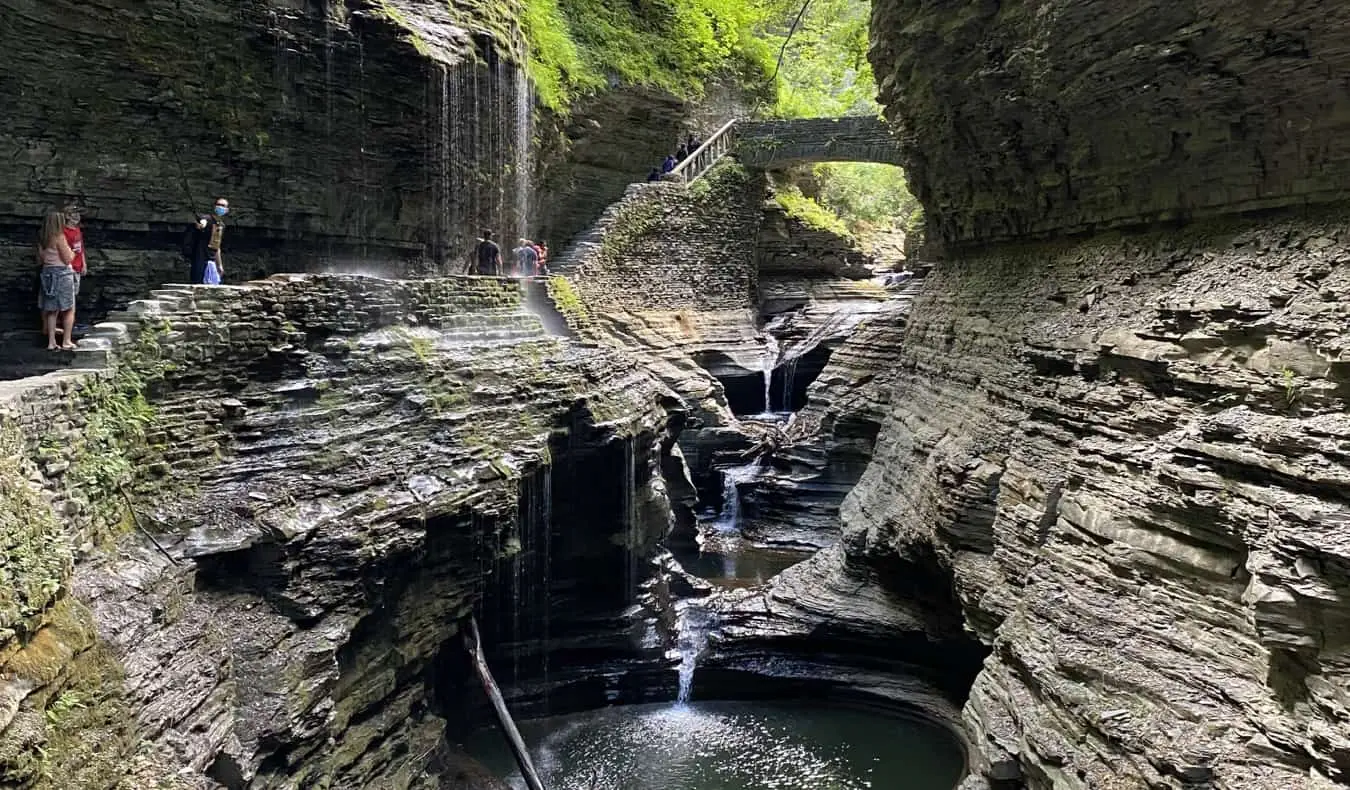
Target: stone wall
(332, 466)
(1053, 116)
(348, 135)
(778, 144)
(612, 140)
(665, 246)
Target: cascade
(772, 353)
(523, 138)
(729, 519)
(446, 155)
(770, 362)
(692, 621)
(630, 525)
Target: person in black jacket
(202, 245)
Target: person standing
(488, 255)
(669, 164)
(204, 247)
(527, 259)
(75, 238)
(543, 259)
(56, 299)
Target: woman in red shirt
(75, 238)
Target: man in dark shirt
(489, 256)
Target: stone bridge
(769, 145)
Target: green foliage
(866, 195)
(105, 453)
(577, 46)
(1293, 390)
(825, 71)
(809, 212)
(555, 62)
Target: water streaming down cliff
(692, 623)
(482, 157)
(729, 518)
(771, 354)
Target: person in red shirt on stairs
(75, 238)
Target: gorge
(1066, 511)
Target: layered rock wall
(1133, 473)
(334, 466)
(348, 135)
(1053, 116)
(1126, 449)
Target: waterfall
(729, 519)
(691, 621)
(771, 351)
(630, 516)
(441, 204)
(789, 376)
(523, 141)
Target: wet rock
(310, 535)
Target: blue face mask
(221, 211)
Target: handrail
(703, 157)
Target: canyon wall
(1039, 117)
(335, 470)
(1125, 449)
(360, 135)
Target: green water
(730, 746)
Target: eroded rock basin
(732, 745)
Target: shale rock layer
(1044, 116)
(1135, 470)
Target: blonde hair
(53, 225)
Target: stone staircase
(694, 167)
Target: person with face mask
(203, 246)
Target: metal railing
(705, 156)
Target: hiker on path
(56, 299)
(203, 246)
(655, 175)
(488, 256)
(669, 164)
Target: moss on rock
(37, 557)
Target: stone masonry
(769, 145)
